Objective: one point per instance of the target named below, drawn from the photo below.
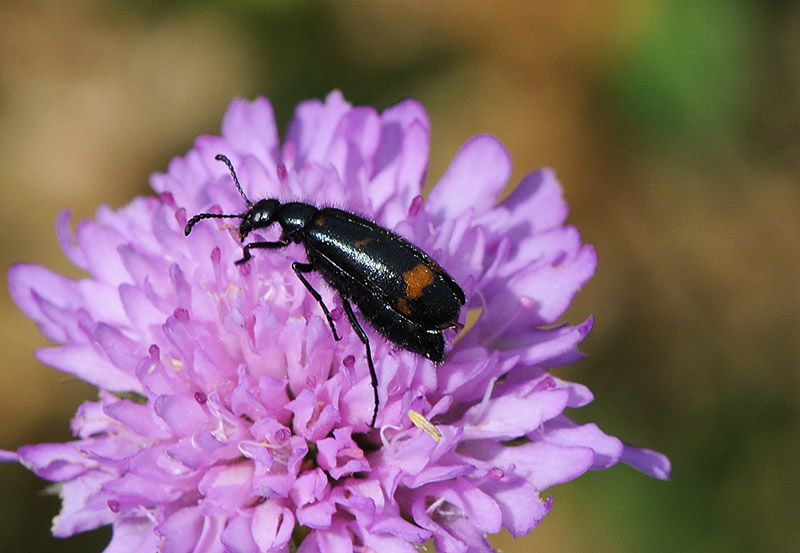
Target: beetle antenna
(188, 228)
(227, 162)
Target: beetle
(403, 293)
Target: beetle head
(261, 215)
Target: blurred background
(674, 127)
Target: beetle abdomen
(392, 269)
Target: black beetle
(404, 294)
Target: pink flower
(228, 417)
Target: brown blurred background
(674, 127)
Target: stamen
(424, 424)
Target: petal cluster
(228, 417)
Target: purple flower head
(228, 417)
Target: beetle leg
(260, 245)
(363, 335)
(299, 269)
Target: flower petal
(520, 504)
(180, 533)
(313, 127)
(250, 128)
(648, 461)
(33, 288)
(55, 462)
(535, 205)
(514, 414)
(84, 362)
(474, 179)
(76, 516)
(272, 525)
(132, 535)
(607, 449)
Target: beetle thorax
(294, 217)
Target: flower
(228, 417)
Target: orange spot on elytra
(402, 306)
(363, 241)
(416, 280)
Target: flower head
(228, 417)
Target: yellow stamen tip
(424, 424)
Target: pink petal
(180, 533)
(141, 419)
(474, 179)
(55, 462)
(401, 161)
(545, 465)
(183, 414)
(250, 128)
(539, 295)
(540, 463)
(132, 535)
(335, 540)
(648, 461)
(314, 125)
(75, 516)
(272, 525)
(396, 123)
(65, 239)
(238, 535)
(8, 456)
(520, 504)
(316, 515)
(226, 488)
(30, 285)
(99, 243)
(123, 352)
(607, 449)
(510, 416)
(84, 362)
(536, 205)
(352, 147)
(387, 544)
